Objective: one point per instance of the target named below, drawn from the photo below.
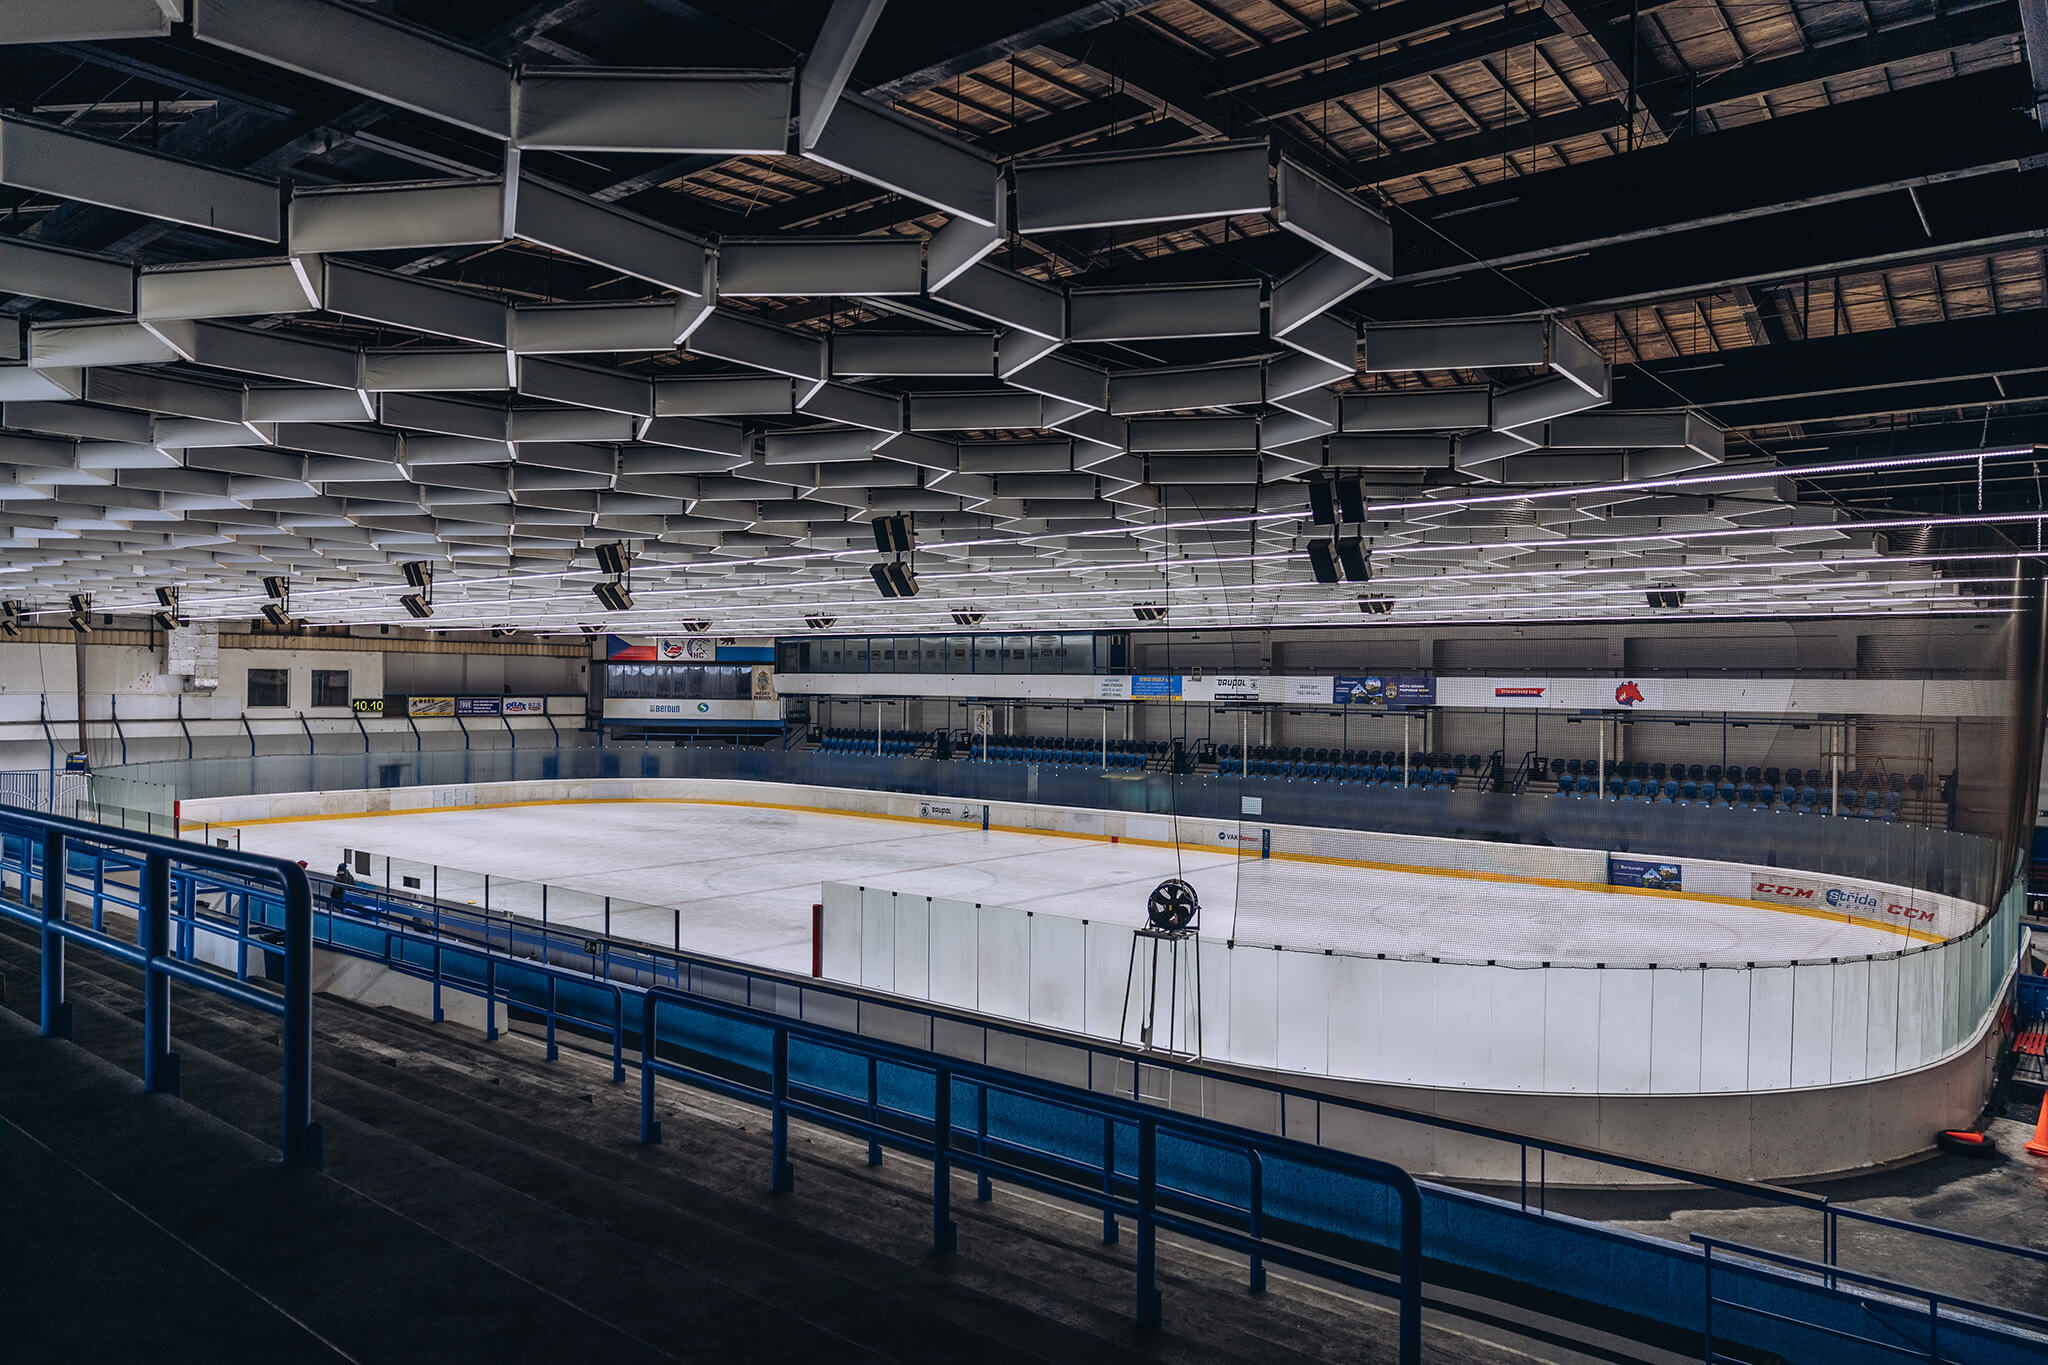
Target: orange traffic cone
(2039, 1145)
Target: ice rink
(739, 881)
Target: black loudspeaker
(1665, 599)
(820, 622)
(167, 597)
(892, 535)
(1352, 558)
(613, 596)
(612, 558)
(968, 618)
(1322, 504)
(894, 579)
(1376, 604)
(1350, 490)
(277, 586)
(418, 574)
(695, 627)
(1323, 560)
(1149, 611)
(417, 605)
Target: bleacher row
(1379, 767)
(894, 743)
(1809, 791)
(1074, 750)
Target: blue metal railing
(1889, 1306)
(718, 1023)
(49, 849)
(1105, 1184)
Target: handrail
(48, 841)
(1775, 1263)
(784, 1098)
(626, 948)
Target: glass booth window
(330, 687)
(269, 687)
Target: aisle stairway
(481, 1203)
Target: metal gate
(39, 791)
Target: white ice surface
(740, 881)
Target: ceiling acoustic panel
(492, 313)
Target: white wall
(127, 683)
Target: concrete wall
(134, 709)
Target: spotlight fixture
(416, 606)
(1149, 611)
(695, 627)
(81, 601)
(167, 619)
(81, 621)
(894, 579)
(278, 587)
(613, 596)
(612, 558)
(167, 598)
(1376, 604)
(277, 613)
(418, 573)
(1665, 598)
(893, 535)
(821, 622)
(968, 618)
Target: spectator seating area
(1362, 767)
(1808, 791)
(894, 743)
(1073, 751)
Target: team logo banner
(1651, 874)
(1374, 689)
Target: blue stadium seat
(1582, 785)
(1658, 771)
(1690, 791)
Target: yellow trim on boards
(1413, 869)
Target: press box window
(330, 687)
(268, 687)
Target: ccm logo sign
(1908, 911)
(1786, 891)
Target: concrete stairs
(481, 1202)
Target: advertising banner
(1522, 692)
(525, 706)
(1307, 691)
(686, 649)
(1377, 689)
(478, 706)
(1644, 872)
(429, 706)
(1236, 687)
(1113, 689)
(1159, 686)
(1874, 903)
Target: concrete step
(534, 1168)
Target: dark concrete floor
(481, 1203)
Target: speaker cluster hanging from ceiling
(1665, 598)
(895, 577)
(1376, 604)
(166, 619)
(1149, 611)
(419, 574)
(615, 593)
